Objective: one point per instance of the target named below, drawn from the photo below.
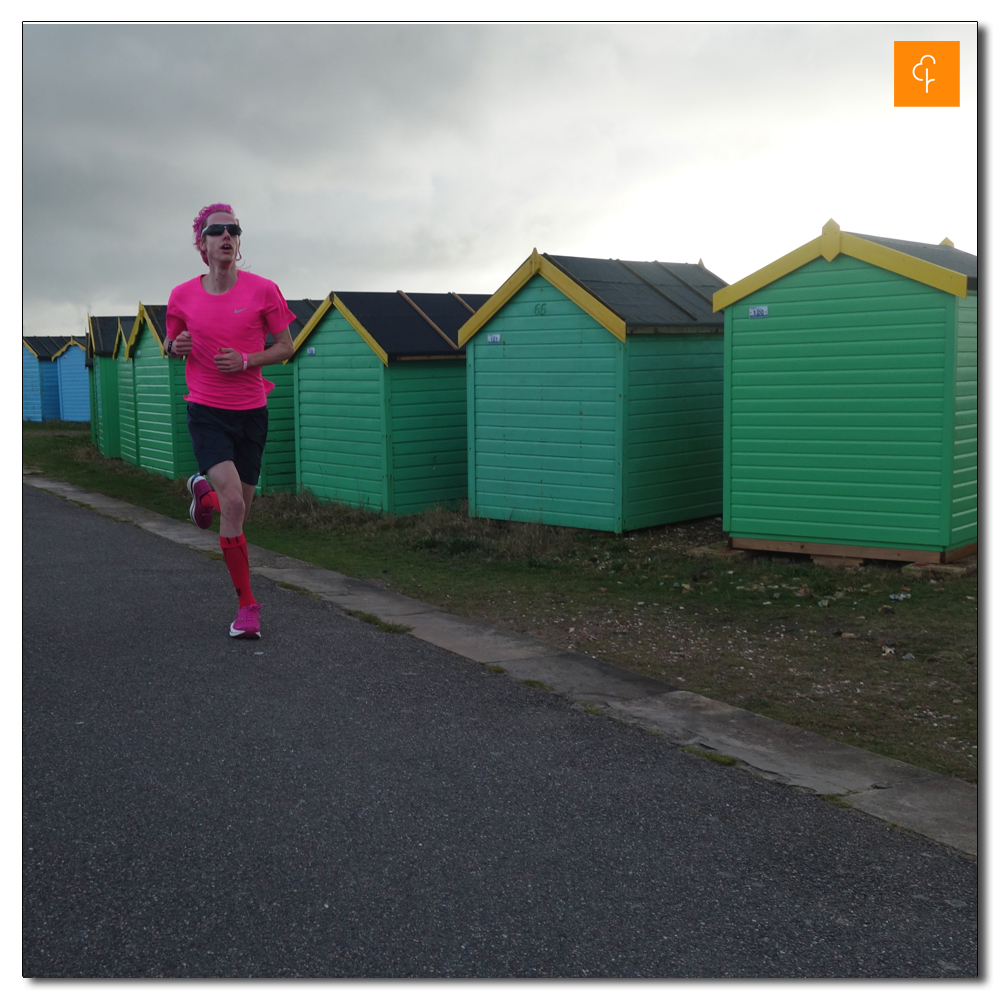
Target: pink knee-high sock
(234, 550)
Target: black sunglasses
(218, 228)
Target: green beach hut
(128, 439)
(104, 336)
(851, 401)
(277, 470)
(595, 395)
(380, 400)
(92, 392)
(162, 441)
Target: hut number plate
(757, 312)
(310, 351)
(493, 338)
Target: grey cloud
(376, 156)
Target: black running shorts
(236, 436)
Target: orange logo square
(926, 74)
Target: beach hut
(74, 384)
(105, 335)
(40, 376)
(128, 439)
(277, 470)
(31, 385)
(163, 444)
(595, 394)
(850, 400)
(91, 390)
(380, 400)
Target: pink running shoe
(198, 486)
(247, 624)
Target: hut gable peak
(623, 296)
(402, 325)
(125, 324)
(155, 317)
(49, 348)
(103, 333)
(305, 311)
(939, 265)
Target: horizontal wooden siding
(185, 464)
(31, 387)
(106, 391)
(835, 409)
(428, 433)
(74, 387)
(964, 526)
(92, 389)
(277, 474)
(48, 372)
(126, 410)
(153, 407)
(543, 414)
(339, 393)
(673, 454)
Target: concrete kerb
(940, 808)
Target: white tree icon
(926, 79)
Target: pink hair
(199, 223)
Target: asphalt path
(335, 801)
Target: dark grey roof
(648, 295)
(105, 330)
(934, 253)
(45, 348)
(158, 318)
(400, 329)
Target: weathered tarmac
(943, 809)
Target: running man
(219, 322)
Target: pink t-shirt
(240, 319)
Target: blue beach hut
(74, 386)
(40, 376)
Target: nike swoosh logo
(239, 310)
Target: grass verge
(869, 657)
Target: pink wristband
(245, 359)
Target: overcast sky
(434, 158)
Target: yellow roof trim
(537, 264)
(141, 317)
(946, 243)
(499, 299)
(119, 339)
(324, 307)
(72, 342)
(902, 263)
(768, 273)
(831, 242)
(365, 335)
(152, 329)
(612, 322)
